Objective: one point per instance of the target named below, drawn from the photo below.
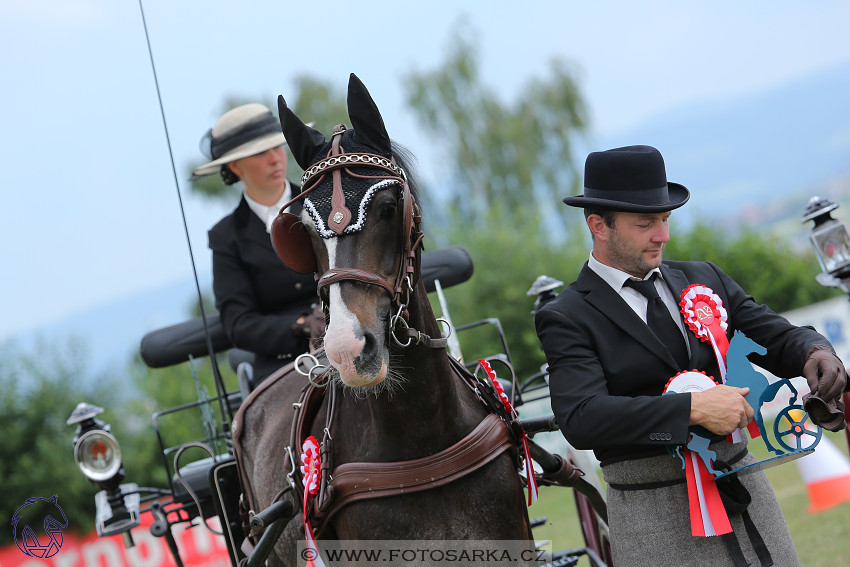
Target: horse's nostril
(369, 360)
(369, 348)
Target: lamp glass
(832, 247)
(98, 455)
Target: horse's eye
(387, 211)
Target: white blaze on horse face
(344, 337)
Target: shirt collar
(267, 213)
(612, 276)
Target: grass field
(821, 538)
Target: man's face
(636, 242)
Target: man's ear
(597, 227)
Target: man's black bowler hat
(631, 179)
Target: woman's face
(263, 173)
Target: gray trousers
(652, 528)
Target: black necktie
(659, 320)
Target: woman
(262, 304)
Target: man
(265, 307)
(608, 371)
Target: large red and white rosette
(529, 467)
(705, 316)
(310, 468)
(707, 513)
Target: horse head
(742, 345)
(358, 230)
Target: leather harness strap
(339, 274)
(360, 481)
(340, 215)
(351, 482)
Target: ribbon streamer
(529, 466)
(708, 516)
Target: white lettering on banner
(148, 551)
(103, 552)
(204, 540)
(68, 558)
(34, 563)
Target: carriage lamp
(98, 455)
(544, 289)
(830, 241)
(96, 450)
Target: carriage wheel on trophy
(792, 425)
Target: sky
(91, 208)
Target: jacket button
(297, 285)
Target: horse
(740, 373)
(391, 397)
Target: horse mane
(407, 161)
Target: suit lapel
(609, 303)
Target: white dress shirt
(268, 214)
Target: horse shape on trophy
(793, 431)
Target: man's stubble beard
(629, 259)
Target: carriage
(384, 433)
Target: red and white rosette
(705, 315)
(311, 465)
(708, 515)
(529, 467)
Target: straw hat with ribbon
(243, 131)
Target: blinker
(291, 241)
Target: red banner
(198, 547)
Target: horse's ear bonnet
(329, 208)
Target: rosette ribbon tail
(312, 555)
(708, 515)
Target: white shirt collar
(612, 276)
(267, 214)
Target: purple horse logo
(26, 538)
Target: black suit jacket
(257, 296)
(607, 370)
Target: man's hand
(721, 409)
(827, 378)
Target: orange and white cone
(826, 473)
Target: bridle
(292, 241)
